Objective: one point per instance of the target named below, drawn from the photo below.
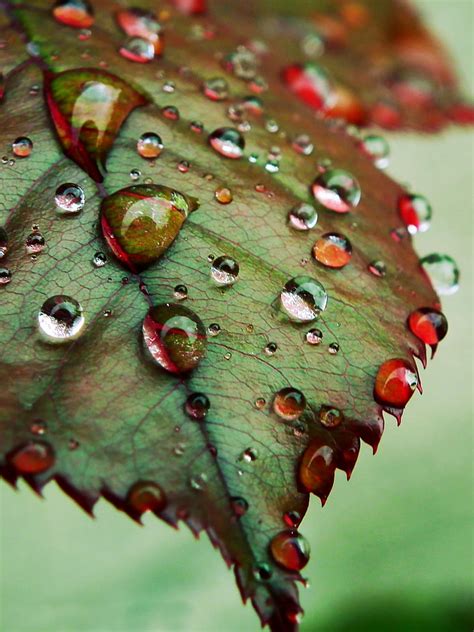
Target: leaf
(273, 406)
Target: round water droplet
(175, 337)
(239, 505)
(99, 260)
(35, 243)
(5, 276)
(22, 147)
(150, 145)
(310, 83)
(38, 427)
(292, 518)
(415, 212)
(303, 217)
(75, 13)
(197, 127)
(302, 144)
(214, 329)
(140, 23)
(377, 268)
(183, 166)
(377, 148)
(428, 324)
(199, 482)
(333, 348)
(443, 273)
(197, 406)
(170, 112)
(180, 292)
(260, 403)
(314, 337)
(317, 467)
(138, 49)
(3, 243)
(228, 142)
(263, 572)
(330, 417)
(135, 174)
(289, 403)
(249, 455)
(333, 250)
(290, 550)
(69, 199)
(252, 105)
(146, 496)
(395, 383)
(242, 63)
(303, 298)
(216, 89)
(271, 348)
(60, 319)
(223, 195)
(34, 457)
(272, 166)
(337, 190)
(225, 270)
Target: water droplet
(214, 329)
(107, 313)
(228, 355)
(314, 337)
(249, 455)
(22, 147)
(69, 199)
(5, 276)
(415, 212)
(290, 550)
(199, 482)
(179, 449)
(262, 572)
(302, 145)
(175, 337)
(38, 427)
(224, 270)
(317, 467)
(377, 148)
(150, 145)
(170, 112)
(75, 13)
(292, 518)
(140, 222)
(303, 217)
(271, 348)
(135, 174)
(35, 243)
(395, 383)
(271, 126)
(330, 417)
(242, 63)
(180, 292)
(289, 403)
(146, 496)
(138, 49)
(183, 166)
(333, 348)
(239, 505)
(428, 324)
(377, 268)
(60, 319)
(191, 7)
(272, 166)
(260, 403)
(311, 84)
(337, 190)
(140, 23)
(99, 260)
(223, 195)
(3, 243)
(252, 105)
(216, 89)
(197, 127)
(197, 405)
(303, 298)
(443, 273)
(333, 250)
(169, 87)
(228, 142)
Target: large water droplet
(317, 467)
(443, 273)
(140, 222)
(60, 319)
(225, 270)
(22, 147)
(333, 250)
(175, 337)
(289, 403)
(290, 550)
(429, 325)
(337, 190)
(69, 199)
(149, 145)
(310, 83)
(143, 24)
(395, 383)
(34, 457)
(138, 49)
(146, 496)
(75, 13)
(228, 142)
(303, 298)
(415, 211)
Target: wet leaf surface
(226, 407)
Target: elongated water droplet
(3, 243)
(317, 467)
(146, 496)
(140, 222)
(69, 199)
(197, 406)
(302, 217)
(290, 550)
(60, 319)
(395, 383)
(443, 273)
(337, 190)
(228, 142)
(289, 403)
(22, 147)
(333, 250)
(75, 13)
(415, 212)
(303, 298)
(224, 270)
(428, 324)
(175, 337)
(34, 457)
(377, 268)
(143, 24)
(150, 145)
(310, 83)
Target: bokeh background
(392, 549)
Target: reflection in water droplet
(216, 89)
(292, 518)
(302, 144)
(330, 417)
(333, 250)
(5, 276)
(69, 199)
(271, 348)
(290, 550)
(225, 270)
(3, 243)
(140, 23)
(428, 324)
(60, 319)
(175, 337)
(289, 403)
(377, 268)
(314, 337)
(223, 195)
(197, 406)
(310, 83)
(317, 467)
(99, 260)
(395, 383)
(149, 145)
(249, 455)
(239, 505)
(138, 50)
(228, 142)
(146, 496)
(303, 298)
(333, 348)
(22, 147)
(415, 212)
(443, 273)
(35, 243)
(377, 148)
(337, 190)
(180, 292)
(75, 13)
(34, 457)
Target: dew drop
(337, 190)
(149, 145)
(183, 166)
(314, 337)
(302, 217)
(302, 144)
(169, 87)
(35, 243)
(60, 319)
(199, 482)
(290, 550)
(310, 83)
(249, 455)
(289, 403)
(272, 166)
(292, 518)
(175, 337)
(252, 104)
(333, 250)
(428, 324)
(223, 195)
(75, 13)
(377, 148)
(197, 406)
(224, 271)
(317, 467)
(138, 49)
(180, 292)
(395, 383)
(333, 348)
(228, 355)
(140, 23)
(216, 89)
(69, 199)
(271, 348)
(228, 142)
(22, 147)
(170, 112)
(214, 329)
(330, 417)
(377, 268)
(242, 63)
(34, 457)
(5, 276)
(415, 212)
(135, 174)
(99, 260)
(146, 496)
(38, 427)
(260, 403)
(239, 505)
(3, 243)
(197, 127)
(443, 273)
(303, 298)
(263, 572)
(271, 126)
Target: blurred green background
(392, 550)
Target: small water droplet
(272, 166)
(271, 348)
(239, 505)
(443, 273)
(197, 406)
(35, 243)
(271, 126)
(73, 444)
(22, 147)
(69, 199)
(197, 127)
(317, 467)
(428, 324)
(225, 270)
(214, 329)
(180, 292)
(99, 260)
(330, 417)
(60, 319)
(75, 13)
(415, 212)
(249, 455)
(169, 87)
(228, 355)
(179, 449)
(290, 550)
(333, 250)
(146, 496)
(262, 572)
(216, 89)
(311, 84)
(260, 403)
(303, 298)
(199, 482)
(170, 112)
(337, 190)
(5, 276)
(135, 174)
(289, 403)
(292, 518)
(377, 268)
(138, 49)
(314, 336)
(38, 427)
(242, 63)
(150, 145)
(302, 217)
(223, 195)
(3, 243)
(333, 348)
(303, 145)
(228, 142)
(377, 148)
